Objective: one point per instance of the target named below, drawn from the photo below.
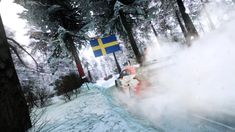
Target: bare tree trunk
(14, 113)
(128, 30)
(187, 37)
(154, 31)
(211, 24)
(187, 20)
(72, 48)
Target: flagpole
(89, 74)
(118, 66)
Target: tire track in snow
(118, 108)
(197, 122)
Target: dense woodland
(60, 31)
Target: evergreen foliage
(65, 85)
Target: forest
(183, 48)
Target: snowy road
(91, 111)
(97, 110)
(190, 121)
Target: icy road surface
(97, 110)
(91, 111)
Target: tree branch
(17, 54)
(14, 41)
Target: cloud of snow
(199, 78)
(218, 11)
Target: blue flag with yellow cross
(106, 45)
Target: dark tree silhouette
(187, 20)
(128, 30)
(14, 113)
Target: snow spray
(198, 81)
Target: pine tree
(56, 15)
(114, 18)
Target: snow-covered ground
(100, 109)
(91, 111)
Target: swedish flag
(106, 45)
